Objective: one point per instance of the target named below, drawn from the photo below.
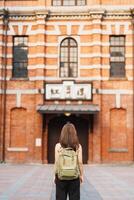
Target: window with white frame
(20, 56)
(68, 58)
(117, 56)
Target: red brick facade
(23, 130)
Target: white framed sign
(38, 142)
(68, 90)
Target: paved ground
(35, 182)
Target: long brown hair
(68, 137)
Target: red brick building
(66, 60)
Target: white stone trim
(117, 28)
(129, 55)
(83, 23)
(18, 99)
(130, 78)
(92, 55)
(90, 67)
(11, 30)
(7, 78)
(56, 30)
(95, 66)
(17, 149)
(117, 92)
(30, 67)
(28, 31)
(94, 43)
(21, 91)
(37, 78)
(20, 28)
(70, 8)
(42, 55)
(129, 67)
(42, 44)
(42, 78)
(118, 100)
(86, 44)
(69, 28)
(51, 67)
(88, 7)
(37, 55)
(41, 66)
(35, 44)
(40, 22)
(118, 22)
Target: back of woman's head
(69, 136)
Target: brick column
(39, 72)
(1, 87)
(95, 138)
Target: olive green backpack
(68, 168)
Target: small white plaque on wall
(38, 142)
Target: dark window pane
(117, 56)
(64, 69)
(20, 70)
(117, 69)
(73, 69)
(20, 56)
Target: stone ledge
(118, 150)
(19, 149)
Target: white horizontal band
(93, 78)
(43, 55)
(17, 149)
(86, 44)
(36, 91)
(41, 66)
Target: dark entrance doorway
(54, 128)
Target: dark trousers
(67, 187)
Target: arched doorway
(54, 128)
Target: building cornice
(69, 15)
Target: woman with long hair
(68, 139)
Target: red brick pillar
(39, 83)
(97, 17)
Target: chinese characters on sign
(69, 90)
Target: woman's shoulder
(80, 147)
(58, 145)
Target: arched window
(68, 58)
(69, 2)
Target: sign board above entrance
(68, 90)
